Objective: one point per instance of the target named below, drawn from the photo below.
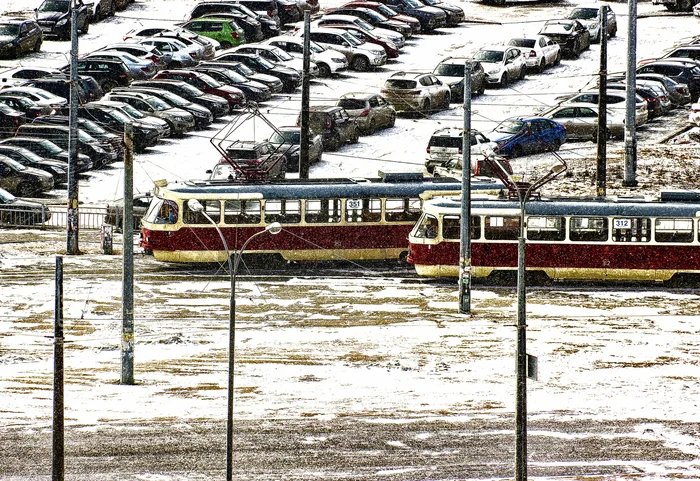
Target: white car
(19, 75)
(398, 39)
(141, 69)
(277, 55)
(616, 103)
(361, 56)
(40, 96)
(581, 121)
(328, 61)
(181, 54)
(539, 51)
(502, 63)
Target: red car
(392, 51)
(387, 12)
(235, 97)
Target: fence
(50, 216)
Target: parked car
(686, 51)
(259, 159)
(58, 134)
(160, 125)
(251, 26)
(371, 111)
(58, 169)
(455, 14)
(46, 148)
(416, 92)
(110, 117)
(179, 120)
(269, 27)
(571, 35)
(226, 31)
(216, 105)
(102, 9)
(27, 107)
(54, 17)
(253, 91)
(235, 97)
(616, 102)
(589, 16)
(10, 119)
(202, 116)
(340, 20)
(140, 68)
(539, 51)
(450, 71)
(334, 125)
(375, 19)
(503, 64)
(430, 18)
(368, 38)
(19, 36)
(682, 72)
(287, 140)
(15, 211)
(678, 92)
(288, 11)
(108, 73)
(264, 7)
(111, 142)
(273, 83)
(360, 56)
(203, 47)
(278, 56)
(17, 76)
(291, 79)
(144, 52)
(180, 54)
(581, 121)
(57, 86)
(518, 136)
(657, 102)
(328, 61)
(480, 166)
(115, 210)
(445, 146)
(39, 96)
(23, 181)
(388, 12)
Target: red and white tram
(616, 238)
(322, 219)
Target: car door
(569, 118)
(509, 64)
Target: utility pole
(128, 259)
(465, 246)
(630, 120)
(601, 158)
(58, 454)
(304, 123)
(72, 216)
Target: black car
(108, 140)
(572, 36)
(58, 86)
(58, 134)
(254, 91)
(108, 73)
(49, 150)
(25, 105)
(259, 160)
(145, 135)
(10, 119)
(202, 115)
(54, 17)
(287, 140)
(57, 168)
(288, 11)
(334, 124)
(216, 105)
(273, 83)
(430, 18)
(290, 78)
(18, 36)
(14, 211)
(23, 181)
(455, 14)
(263, 7)
(686, 72)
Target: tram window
(322, 211)
(428, 227)
(452, 227)
(401, 210)
(632, 229)
(546, 228)
(211, 207)
(283, 211)
(363, 210)
(242, 212)
(674, 230)
(588, 229)
(502, 228)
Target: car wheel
(86, 27)
(425, 105)
(25, 189)
(516, 152)
(557, 59)
(541, 66)
(226, 45)
(108, 85)
(448, 99)
(504, 81)
(355, 136)
(334, 143)
(613, 32)
(324, 70)
(360, 63)
(37, 45)
(372, 127)
(482, 88)
(555, 146)
(522, 73)
(392, 119)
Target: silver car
(141, 69)
(179, 120)
(182, 55)
(371, 111)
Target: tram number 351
(354, 204)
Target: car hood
(499, 136)
(433, 10)
(264, 78)
(451, 8)
(50, 16)
(21, 203)
(6, 38)
(213, 98)
(450, 80)
(406, 18)
(38, 172)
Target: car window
(374, 102)
(425, 81)
(564, 113)
(351, 104)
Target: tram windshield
(427, 228)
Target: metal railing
(50, 217)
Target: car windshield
(246, 10)
(9, 29)
(28, 154)
(363, 25)
(450, 70)
(209, 80)
(264, 63)
(50, 147)
(6, 197)
(92, 127)
(354, 41)
(413, 3)
(6, 109)
(120, 116)
(14, 164)
(386, 11)
(351, 104)
(235, 77)
(522, 42)
(316, 48)
(194, 91)
(489, 56)
(131, 111)
(174, 99)
(281, 54)
(510, 126)
(157, 103)
(376, 16)
(244, 70)
(583, 13)
(54, 6)
(286, 137)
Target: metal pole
(128, 260)
(72, 215)
(521, 355)
(601, 158)
(58, 455)
(305, 82)
(465, 246)
(630, 127)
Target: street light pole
(521, 343)
(274, 228)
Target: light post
(524, 192)
(274, 228)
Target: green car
(224, 30)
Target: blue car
(519, 136)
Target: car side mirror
(346, 44)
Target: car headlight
(181, 118)
(493, 71)
(59, 170)
(62, 22)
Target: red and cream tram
(617, 238)
(322, 219)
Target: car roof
(131, 93)
(448, 132)
(358, 95)
(412, 75)
(348, 18)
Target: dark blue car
(519, 136)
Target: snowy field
(414, 390)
